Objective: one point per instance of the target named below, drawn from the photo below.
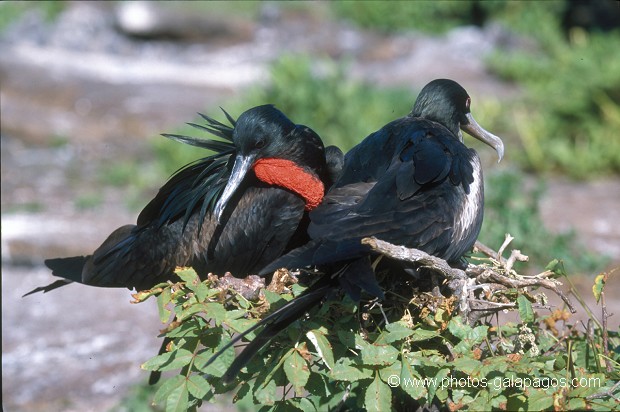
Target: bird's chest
(257, 231)
(469, 219)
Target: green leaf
(322, 346)
(189, 276)
(395, 331)
(198, 386)
(216, 312)
(344, 370)
(576, 404)
(347, 337)
(599, 285)
(241, 325)
(297, 371)
(162, 301)
(557, 267)
(167, 388)
(409, 382)
(191, 328)
(273, 298)
(379, 354)
(243, 395)
(469, 337)
(234, 314)
(458, 328)
(435, 387)
(466, 365)
(378, 396)
(321, 385)
(386, 373)
(303, 404)
(190, 310)
(178, 399)
(526, 312)
(174, 359)
(265, 392)
(219, 366)
(420, 335)
(202, 292)
(539, 400)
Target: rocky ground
(88, 79)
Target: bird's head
(446, 102)
(279, 152)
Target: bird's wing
(409, 201)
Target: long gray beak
(241, 167)
(475, 130)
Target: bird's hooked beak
(240, 168)
(475, 130)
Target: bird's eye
(468, 103)
(260, 143)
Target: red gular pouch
(288, 174)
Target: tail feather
(296, 258)
(317, 253)
(68, 268)
(357, 276)
(51, 286)
(273, 325)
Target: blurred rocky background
(87, 87)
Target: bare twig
(414, 256)
(609, 393)
(487, 251)
(515, 255)
(492, 276)
(507, 241)
(463, 283)
(608, 364)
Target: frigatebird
(234, 211)
(412, 183)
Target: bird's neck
(287, 174)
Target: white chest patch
(473, 202)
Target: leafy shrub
(408, 351)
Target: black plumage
(413, 183)
(211, 214)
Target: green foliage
(569, 117)
(432, 17)
(407, 353)
(511, 206)
(341, 110)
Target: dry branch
(464, 283)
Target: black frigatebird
(413, 183)
(234, 211)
